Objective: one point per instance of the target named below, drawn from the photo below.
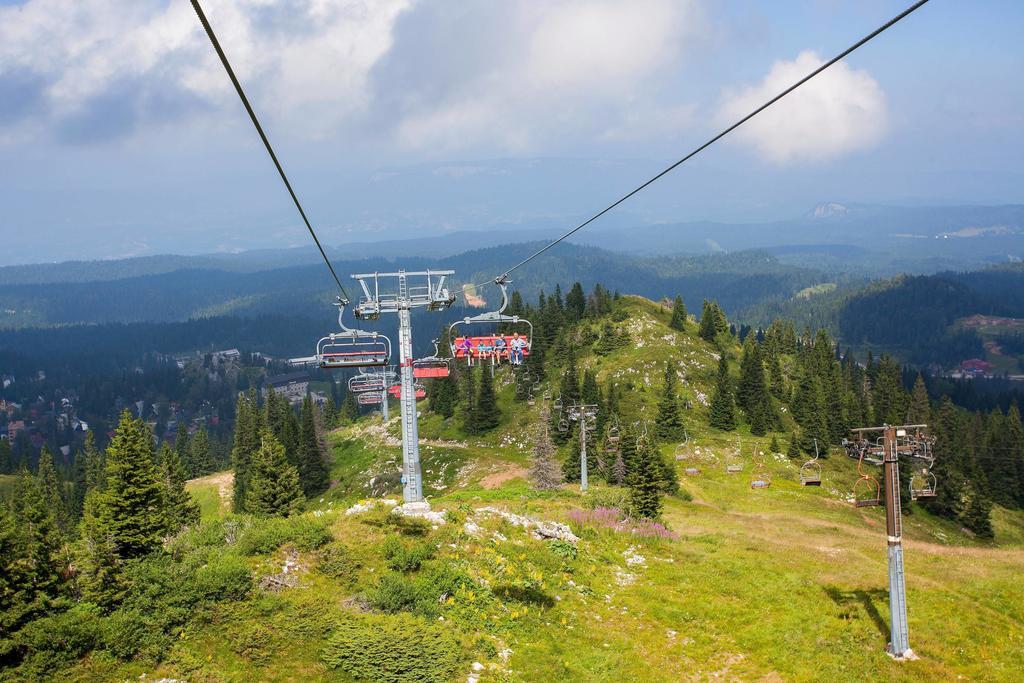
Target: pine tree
(349, 409)
(575, 303)
(773, 447)
(488, 415)
(182, 449)
(444, 395)
(544, 470)
(330, 413)
(669, 425)
(246, 443)
(707, 329)
(132, 503)
(723, 409)
(179, 508)
(678, 321)
(919, 411)
(6, 457)
(948, 467)
(794, 446)
(16, 589)
(274, 488)
(52, 489)
(312, 469)
(39, 542)
(469, 420)
(645, 481)
(95, 464)
(100, 579)
(977, 517)
(200, 457)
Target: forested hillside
(283, 568)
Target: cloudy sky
(120, 133)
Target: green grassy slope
(787, 583)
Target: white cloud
(841, 110)
(535, 72)
(308, 59)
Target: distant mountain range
(861, 239)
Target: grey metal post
(899, 637)
(583, 451)
(412, 488)
(384, 409)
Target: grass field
(213, 493)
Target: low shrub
(336, 561)
(612, 497)
(393, 593)
(264, 536)
(224, 578)
(404, 557)
(391, 649)
(56, 641)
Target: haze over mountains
(882, 239)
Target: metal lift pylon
(433, 296)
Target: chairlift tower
(899, 640)
(586, 415)
(426, 291)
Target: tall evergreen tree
(132, 504)
(179, 508)
(246, 443)
(646, 480)
(707, 329)
(793, 451)
(274, 488)
(53, 489)
(181, 446)
(200, 456)
(444, 395)
(575, 303)
(100, 577)
(948, 467)
(678, 321)
(6, 457)
(313, 474)
(486, 411)
(977, 517)
(669, 425)
(349, 409)
(38, 541)
(919, 410)
(469, 421)
(544, 470)
(95, 463)
(723, 407)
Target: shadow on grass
(847, 600)
(531, 596)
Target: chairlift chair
(922, 485)
(761, 478)
(810, 471)
(482, 347)
(419, 391)
(360, 384)
(872, 492)
(368, 399)
(735, 467)
(866, 490)
(563, 425)
(352, 348)
(431, 367)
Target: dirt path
(496, 479)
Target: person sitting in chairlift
(467, 349)
(500, 347)
(485, 348)
(518, 344)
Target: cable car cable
(263, 136)
(887, 25)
